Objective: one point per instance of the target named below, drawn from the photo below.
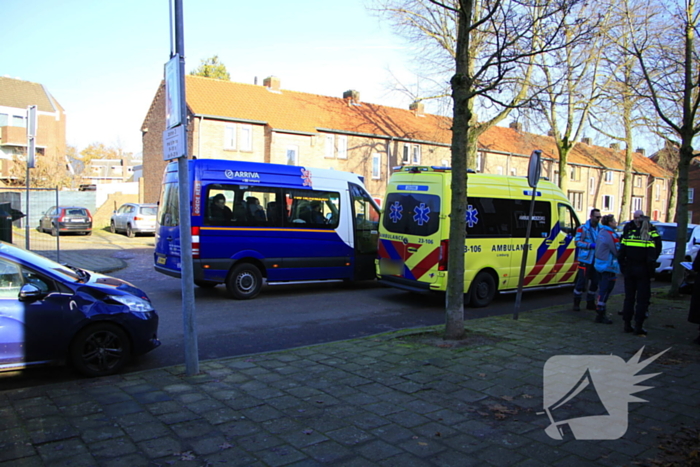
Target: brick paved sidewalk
(390, 400)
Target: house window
(18, 120)
(479, 162)
(416, 154)
(376, 166)
(576, 198)
(608, 176)
(445, 163)
(608, 201)
(591, 185)
(636, 203)
(406, 154)
(555, 177)
(513, 172)
(230, 137)
(292, 155)
(3, 119)
(657, 195)
(575, 173)
(342, 147)
(638, 181)
(246, 137)
(499, 170)
(330, 146)
(691, 194)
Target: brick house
(265, 123)
(15, 96)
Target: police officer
(586, 275)
(639, 249)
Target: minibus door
(365, 232)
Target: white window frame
(499, 170)
(691, 195)
(608, 203)
(246, 137)
(376, 166)
(513, 172)
(342, 147)
(608, 177)
(330, 147)
(637, 181)
(591, 185)
(294, 151)
(637, 203)
(445, 163)
(657, 194)
(478, 163)
(406, 159)
(415, 154)
(230, 137)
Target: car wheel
(54, 231)
(129, 231)
(100, 350)
(205, 284)
(482, 290)
(244, 282)
(89, 232)
(112, 227)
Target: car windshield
(149, 210)
(76, 212)
(668, 232)
(40, 262)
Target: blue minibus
(255, 223)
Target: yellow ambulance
(415, 225)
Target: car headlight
(134, 303)
(668, 251)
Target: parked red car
(64, 219)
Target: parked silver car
(133, 218)
(668, 231)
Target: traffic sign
(174, 143)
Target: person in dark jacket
(694, 312)
(639, 249)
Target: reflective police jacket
(634, 250)
(585, 242)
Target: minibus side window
(262, 207)
(568, 221)
(168, 215)
(488, 217)
(366, 233)
(222, 207)
(312, 209)
(541, 219)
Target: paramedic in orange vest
(586, 276)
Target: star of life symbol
(421, 214)
(306, 177)
(395, 212)
(598, 387)
(472, 216)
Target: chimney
(550, 133)
(517, 126)
(642, 151)
(586, 140)
(352, 97)
(418, 108)
(614, 145)
(272, 83)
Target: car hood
(113, 286)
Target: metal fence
(31, 205)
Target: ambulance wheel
(244, 282)
(483, 290)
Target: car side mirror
(29, 292)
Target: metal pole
(187, 272)
(26, 217)
(523, 265)
(58, 234)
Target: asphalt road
(280, 317)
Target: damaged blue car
(56, 313)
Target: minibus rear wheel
(244, 282)
(482, 290)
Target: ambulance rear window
(412, 214)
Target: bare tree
(569, 80)
(620, 112)
(664, 42)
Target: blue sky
(103, 60)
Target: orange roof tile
(293, 111)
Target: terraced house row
(265, 123)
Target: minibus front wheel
(482, 290)
(244, 281)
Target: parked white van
(667, 231)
